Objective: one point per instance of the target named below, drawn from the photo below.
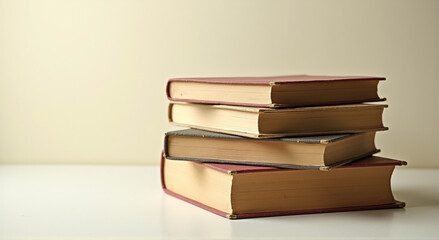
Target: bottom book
(243, 191)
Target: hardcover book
(242, 191)
(272, 123)
(312, 152)
(275, 92)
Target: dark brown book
(276, 91)
(272, 123)
(312, 152)
(242, 191)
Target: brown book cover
(325, 90)
(242, 169)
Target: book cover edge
(269, 106)
(226, 80)
(299, 139)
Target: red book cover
(236, 169)
(271, 81)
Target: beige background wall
(83, 81)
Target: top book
(275, 92)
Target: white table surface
(126, 202)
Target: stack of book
(266, 146)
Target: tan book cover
(272, 123)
